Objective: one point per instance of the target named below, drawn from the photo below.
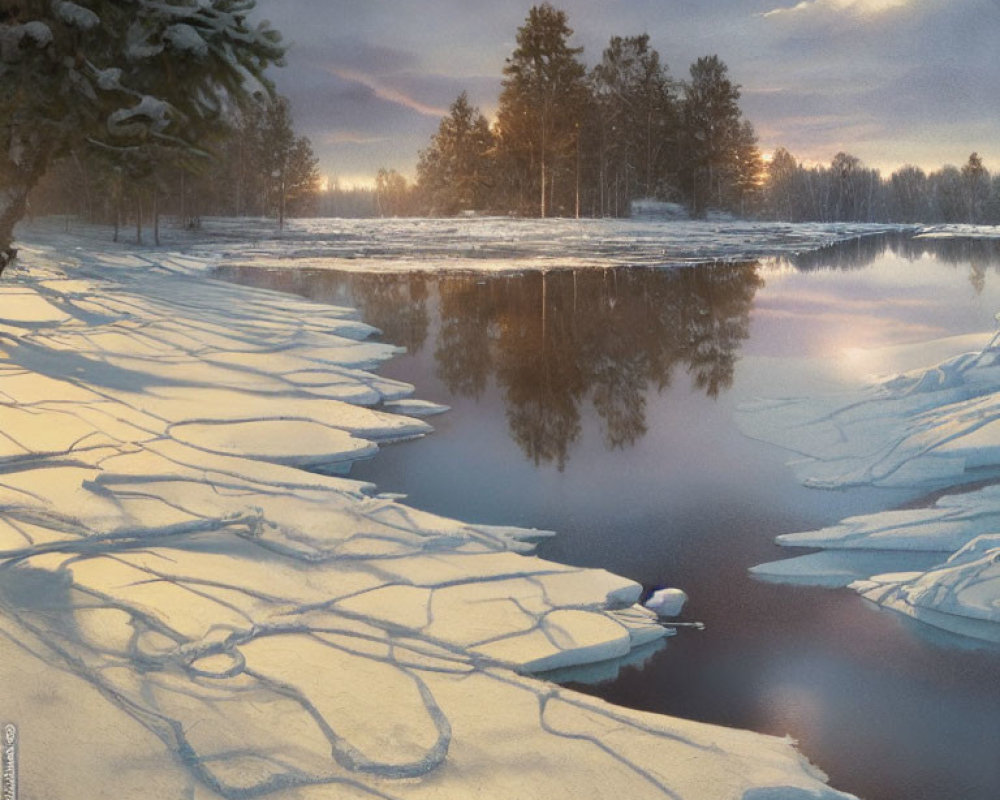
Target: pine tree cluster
(569, 141)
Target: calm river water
(600, 404)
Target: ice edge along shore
(170, 576)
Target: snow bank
(168, 574)
(929, 428)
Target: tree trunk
(156, 215)
(541, 158)
(81, 169)
(544, 180)
(138, 216)
(184, 220)
(281, 204)
(119, 190)
(24, 157)
(13, 202)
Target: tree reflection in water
(553, 341)
(980, 255)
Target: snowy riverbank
(188, 613)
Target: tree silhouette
(541, 108)
(639, 121)
(455, 172)
(711, 116)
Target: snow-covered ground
(933, 428)
(188, 613)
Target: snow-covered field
(188, 613)
(491, 243)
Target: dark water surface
(600, 404)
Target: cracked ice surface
(505, 244)
(485, 244)
(933, 428)
(924, 428)
(168, 573)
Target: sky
(893, 82)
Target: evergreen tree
(781, 188)
(638, 123)
(748, 170)
(455, 172)
(120, 74)
(393, 194)
(542, 106)
(908, 195)
(976, 183)
(711, 119)
(285, 163)
(257, 166)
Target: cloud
(350, 137)
(389, 93)
(891, 81)
(365, 56)
(856, 7)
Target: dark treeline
(569, 141)
(847, 190)
(254, 165)
(573, 141)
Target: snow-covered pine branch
(120, 73)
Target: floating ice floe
(927, 428)
(931, 428)
(667, 602)
(176, 592)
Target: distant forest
(567, 141)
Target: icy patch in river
(497, 244)
(930, 428)
(504, 244)
(166, 571)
